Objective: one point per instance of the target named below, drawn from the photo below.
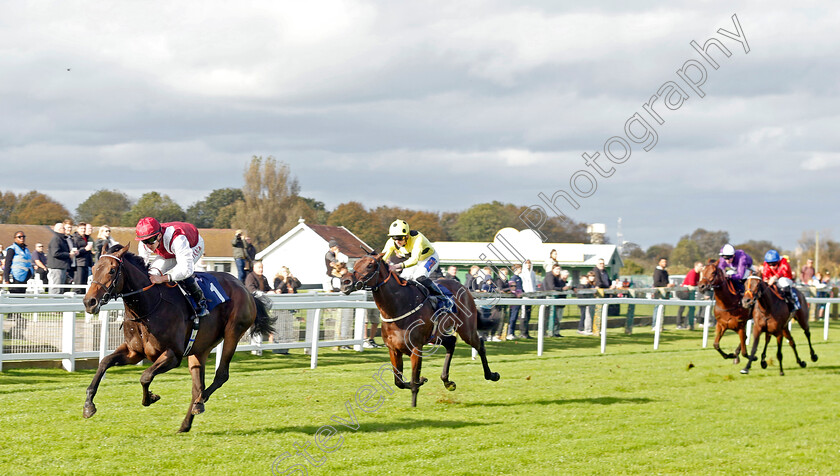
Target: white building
(511, 246)
(302, 250)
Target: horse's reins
(718, 278)
(364, 284)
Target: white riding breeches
(784, 282)
(422, 268)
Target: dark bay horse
(158, 324)
(410, 321)
(771, 315)
(729, 313)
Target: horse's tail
(486, 323)
(263, 324)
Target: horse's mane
(132, 258)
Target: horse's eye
(112, 271)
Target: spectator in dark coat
(660, 275)
(59, 259)
(602, 280)
(473, 280)
(84, 260)
(240, 256)
(40, 261)
(553, 282)
(255, 282)
(452, 273)
(285, 283)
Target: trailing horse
(771, 314)
(410, 320)
(158, 326)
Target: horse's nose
(90, 305)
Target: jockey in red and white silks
(171, 251)
(179, 248)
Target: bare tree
(270, 204)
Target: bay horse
(771, 315)
(410, 321)
(158, 325)
(729, 313)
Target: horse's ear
(712, 261)
(122, 251)
(379, 256)
(368, 251)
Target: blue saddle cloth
(214, 293)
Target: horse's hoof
(449, 386)
(782, 372)
(736, 361)
(184, 430)
(745, 371)
(763, 364)
(814, 357)
(89, 411)
(422, 381)
(495, 377)
(152, 399)
(197, 409)
(803, 364)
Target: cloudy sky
(434, 105)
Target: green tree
(270, 206)
(35, 208)
(481, 222)
(8, 201)
(203, 213)
(558, 231)
(103, 207)
(686, 253)
(632, 250)
(709, 242)
(631, 267)
(428, 224)
(354, 217)
(224, 217)
(153, 204)
(320, 210)
(662, 250)
(757, 248)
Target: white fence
(50, 327)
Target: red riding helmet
(147, 228)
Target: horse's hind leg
(786, 334)
(167, 361)
(197, 368)
(802, 319)
(448, 343)
(121, 356)
(222, 373)
(779, 353)
(469, 335)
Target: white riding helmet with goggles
(398, 229)
(727, 250)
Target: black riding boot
(790, 298)
(435, 292)
(198, 296)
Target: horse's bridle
(109, 290)
(363, 283)
(748, 293)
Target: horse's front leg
(397, 363)
(121, 356)
(416, 380)
(167, 361)
(764, 351)
(719, 330)
(197, 366)
(756, 335)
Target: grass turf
(678, 410)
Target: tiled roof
(348, 243)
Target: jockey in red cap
(171, 250)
